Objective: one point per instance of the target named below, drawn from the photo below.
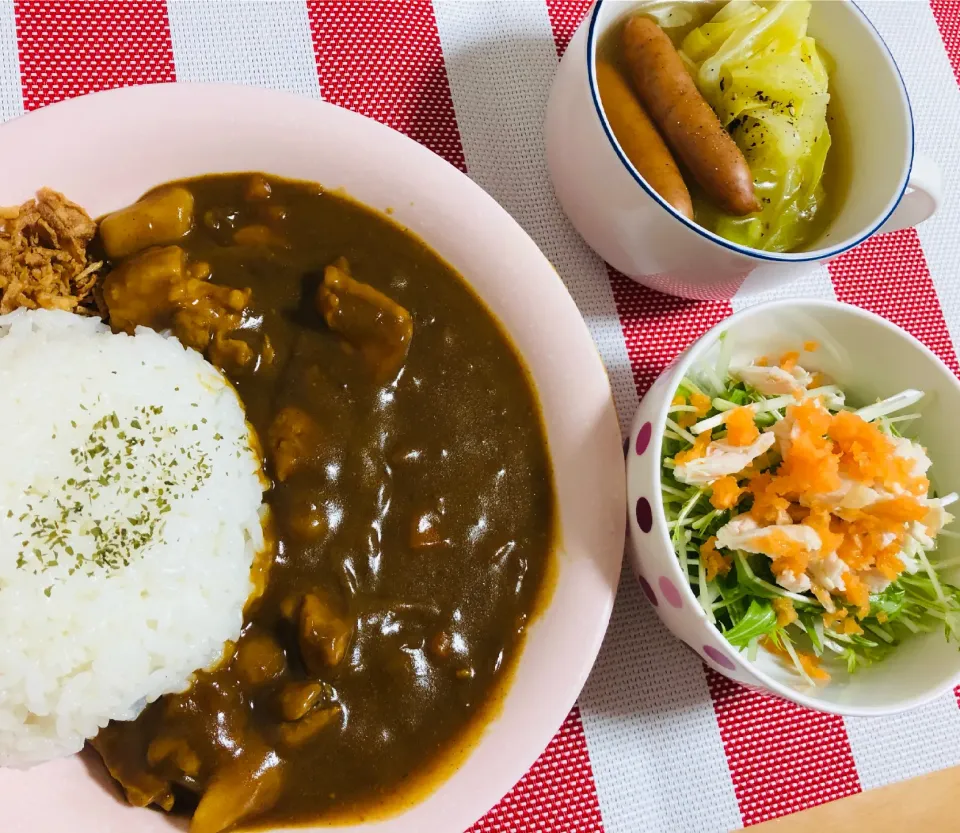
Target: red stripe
(565, 17)
(947, 15)
(384, 60)
(69, 49)
(783, 758)
(888, 275)
(657, 328)
(557, 794)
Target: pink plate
(105, 150)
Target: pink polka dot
(648, 591)
(643, 438)
(719, 657)
(644, 515)
(670, 592)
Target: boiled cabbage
(767, 82)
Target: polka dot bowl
(870, 358)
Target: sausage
(689, 125)
(640, 140)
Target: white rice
(84, 637)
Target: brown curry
(412, 499)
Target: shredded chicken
(719, 459)
(744, 533)
(43, 255)
(773, 381)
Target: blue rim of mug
(784, 257)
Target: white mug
(631, 227)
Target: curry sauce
(412, 501)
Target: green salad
(805, 527)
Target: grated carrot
(696, 451)
(788, 554)
(832, 617)
(679, 399)
(761, 361)
(741, 429)
(786, 613)
(867, 454)
(725, 493)
(702, 403)
(788, 361)
(829, 530)
(888, 561)
(767, 503)
(714, 562)
(686, 419)
(809, 662)
(810, 465)
(868, 542)
(850, 626)
(811, 346)
(898, 510)
(857, 593)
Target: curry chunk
(373, 324)
(440, 645)
(259, 658)
(425, 531)
(177, 751)
(294, 440)
(297, 699)
(141, 786)
(137, 292)
(307, 519)
(206, 313)
(195, 740)
(295, 734)
(258, 188)
(230, 353)
(324, 635)
(157, 288)
(241, 789)
(258, 235)
(157, 220)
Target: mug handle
(922, 198)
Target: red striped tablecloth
(657, 743)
